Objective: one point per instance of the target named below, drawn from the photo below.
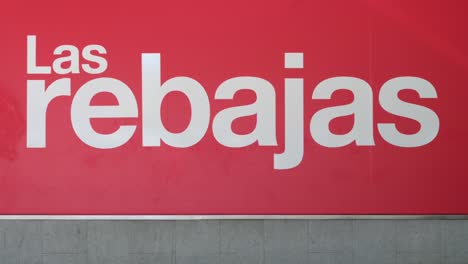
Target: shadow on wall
(12, 125)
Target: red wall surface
(212, 41)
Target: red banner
(240, 107)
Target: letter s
(427, 118)
(100, 60)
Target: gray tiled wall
(234, 242)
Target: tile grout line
(395, 237)
(352, 241)
(219, 242)
(87, 242)
(264, 242)
(174, 244)
(308, 240)
(41, 233)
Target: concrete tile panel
(455, 237)
(419, 258)
(374, 236)
(241, 241)
(64, 237)
(197, 242)
(328, 236)
(331, 258)
(419, 236)
(286, 241)
(64, 259)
